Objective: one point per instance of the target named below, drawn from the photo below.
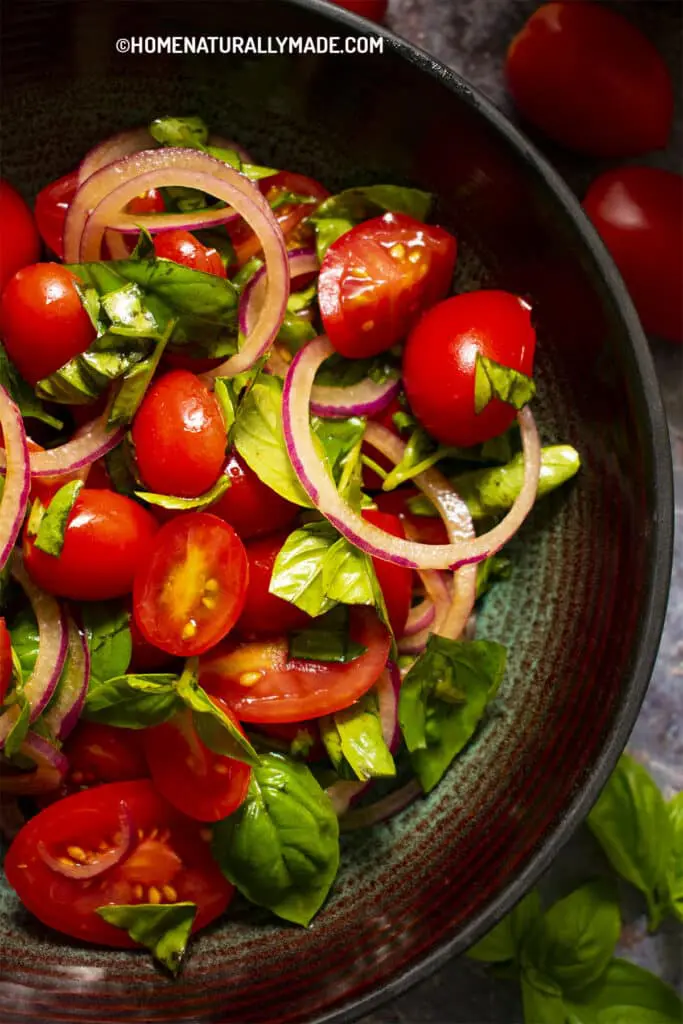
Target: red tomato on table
(249, 505)
(265, 613)
(638, 212)
(439, 363)
(169, 862)
(591, 80)
(377, 278)
(396, 581)
(19, 241)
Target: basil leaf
(135, 383)
(18, 731)
(326, 640)
(25, 640)
(492, 380)
(338, 214)
(497, 567)
(281, 847)
(22, 394)
(338, 372)
(87, 376)
(295, 331)
(215, 729)
(542, 1000)
(627, 994)
(186, 132)
(168, 501)
(163, 928)
(420, 454)
(107, 632)
(50, 536)
(504, 942)
(291, 199)
(133, 701)
(341, 440)
(122, 468)
(675, 870)
(631, 822)
(443, 699)
(354, 741)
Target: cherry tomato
(168, 862)
(191, 584)
(43, 321)
(261, 683)
(249, 505)
(375, 10)
(98, 476)
(19, 241)
(100, 753)
(182, 247)
(83, 415)
(52, 206)
(201, 784)
(638, 212)
(148, 202)
(591, 80)
(5, 660)
(264, 613)
(288, 215)
(179, 436)
(426, 529)
(106, 537)
(439, 363)
(378, 277)
(395, 581)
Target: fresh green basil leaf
(327, 639)
(255, 173)
(281, 847)
(20, 727)
(216, 730)
(632, 824)
(22, 394)
(354, 741)
(492, 380)
(50, 535)
(338, 214)
(504, 942)
(627, 994)
(164, 928)
(25, 640)
(295, 331)
(85, 377)
(133, 701)
(492, 569)
(176, 504)
(338, 372)
(226, 399)
(542, 1000)
(186, 132)
(287, 198)
(303, 301)
(131, 391)
(443, 699)
(675, 871)
(107, 632)
(122, 468)
(421, 453)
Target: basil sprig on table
(338, 214)
(163, 928)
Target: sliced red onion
(66, 708)
(157, 223)
(387, 807)
(17, 479)
(52, 647)
(114, 148)
(118, 245)
(70, 868)
(301, 261)
(366, 398)
(50, 769)
(420, 617)
(374, 541)
(93, 441)
(109, 191)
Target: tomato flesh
(376, 279)
(191, 584)
(19, 241)
(100, 753)
(168, 862)
(395, 581)
(261, 684)
(249, 505)
(264, 613)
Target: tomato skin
(43, 321)
(149, 202)
(395, 581)
(258, 681)
(204, 785)
(182, 247)
(376, 279)
(99, 753)
(183, 860)
(106, 537)
(51, 207)
(264, 613)
(288, 216)
(638, 212)
(19, 241)
(591, 80)
(426, 529)
(191, 584)
(375, 10)
(5, 660)
(439, 363)
(179, 436)
(249, 505)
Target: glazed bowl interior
(582, 611)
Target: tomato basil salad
(272, 463)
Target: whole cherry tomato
(249, 505)
(182, 247)
(264, 613)
(19, 241)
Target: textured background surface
(471, 36)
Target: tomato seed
(209, 602)
(206, 835)
(76, 853)
(414, 256)
(169, 893)
(138, 891)
(398, 251)
(189, 630)
(153, 895)
(211, 586)
(368, 325)
(249, 678)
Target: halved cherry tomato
(106, 538)
(288, 215)
(261, 684)
(395, 581)
(191, 584)
(43, 321)
(169, 862)
(638, 212)
(182, 247)
(148, 202)
(378, 277)
(201, 784)
(179, 436)
(52, 206)
(375, 10)
(5, 660)
(591, 80)
(249, 505)
(439, 363)
(264, 613)
(19, 241)
(100, 753)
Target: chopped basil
(203, 501)
(338, 214)
(216, 730)
(354, 741)
(50, 535)
(163, 928)
(107, 632)
(326, 640)
(492, 380)
(22, 394)
(17, 733)
(133, 701)
(131, 391)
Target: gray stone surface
(471, 36)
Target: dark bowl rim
(657, 591)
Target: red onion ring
(94, 441)
(420, 617)
(301, 261)
(114, 148)
(366, 398)
(104, 862)
(157, 223)
(387, 807)
(369, 538)
(66, 708)
(15, 495)
(49, 773)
